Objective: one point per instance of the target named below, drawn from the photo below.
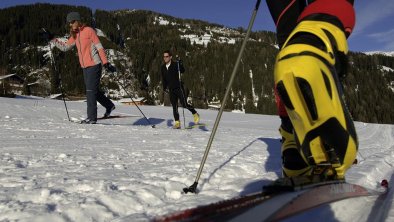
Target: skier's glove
(109, 68)
(46, 35)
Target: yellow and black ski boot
(196, 118)
(306, 77)
(177, 125)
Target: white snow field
(125, 170)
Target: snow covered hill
(380, 53)
(124, 170)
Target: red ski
(274, 206)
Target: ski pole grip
(257, 5)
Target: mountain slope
(135, 41)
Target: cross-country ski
(276, 206)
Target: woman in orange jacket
(91, 57)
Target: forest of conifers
(139, 42)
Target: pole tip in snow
(191, 189)
(384, 183)
(153, 126)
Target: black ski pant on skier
(178, 95)
(92, 76)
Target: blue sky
(374, 27)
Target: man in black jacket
(170, 72)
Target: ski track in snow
(124, 170)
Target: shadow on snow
(273, 163)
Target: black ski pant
(92, 76)
(175, 95)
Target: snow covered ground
(124, 170)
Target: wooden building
(11, 84)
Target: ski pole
(193, 187)
(183, 94)
(60, 81)
(124, 89)
(131, 97)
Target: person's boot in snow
(307, 81)
(108, 111)
(177, 125)
(88, 121)
(196, 118)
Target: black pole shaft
(193, 187)
(131, 97)
(60, 82)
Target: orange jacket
(90, 50)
